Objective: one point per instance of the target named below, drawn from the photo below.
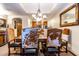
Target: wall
(9, 15)
(75, 39)
(23, 17)
(55, 21)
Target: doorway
(18, 26)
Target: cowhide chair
(53, 42)
(31, 44)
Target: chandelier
(39, 16)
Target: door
(19, 29)
(18, 26)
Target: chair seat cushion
(14, 44)
(18, 40)
(52, 49)
(30, 50)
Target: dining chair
(11, 40)
(31, 44)
(65, 38)
(53, 41)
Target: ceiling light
(44, 16)
(35, 18)
(39, 16)
(33, 15)
(38, 19)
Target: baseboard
(72, 53)
(2, 44)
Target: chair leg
(66, 47)
(14, 48)
(8, 51)
(20, 52)
(36, 52)
(8, 48)
(58, 51)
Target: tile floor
(4, 52)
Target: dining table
(42, 41)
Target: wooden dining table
(42, 41)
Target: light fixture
(44, 16)
(39, 16)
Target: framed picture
(2, 22)
(70, 16)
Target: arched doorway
(18, 25)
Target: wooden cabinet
(45, 23)
(34, 24)
(40, 24)
(2, 37)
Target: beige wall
(9, 15)
(24, 20)
(54, 22)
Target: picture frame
(2, 23)
(70, 16)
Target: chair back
(66, 34)
(54, 37)
(30, 37)
(10, 34)
(66, 31)
(33, 36)
(53, 33)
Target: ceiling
(33, 7)
(50, 9)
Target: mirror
(69, 17)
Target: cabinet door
(34, 24)
(45, 24)
(1, 39)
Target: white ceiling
(50, 9)
(33, 7)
